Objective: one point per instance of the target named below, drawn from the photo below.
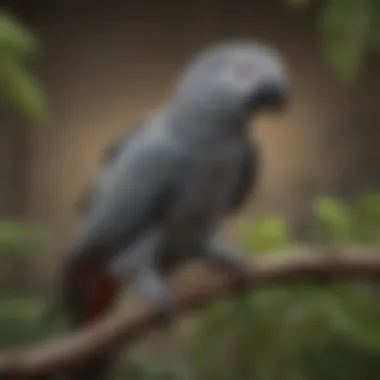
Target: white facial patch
(238, 77)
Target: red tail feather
(103, 296)
(103, 290)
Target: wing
(248, 177)
(136, 193)
(108, 157)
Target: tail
(88, 292)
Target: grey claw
(153, 288)
(231, 262)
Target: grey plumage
(161, 199)
(109, 155)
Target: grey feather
(248, 177)
(108, 157)
(130, 195)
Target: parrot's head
(233, 81)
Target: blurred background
(75, 75)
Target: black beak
(271, 95)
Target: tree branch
(121, 329)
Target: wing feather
(248, 177)
(108, 157)
(136, 193)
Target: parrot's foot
(152, 286)
(232, 263)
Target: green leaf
(375, 25)
(360, 304)
(268, 301)
(349, 30)
(366, 219)
(334, 218)
(20, 238)
(19, 88)
(329, 306)
(15, 40)
(272, 233)
(345, 30)
(20, 320)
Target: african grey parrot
(166, 189)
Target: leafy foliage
(20, 320)
(349, 32)
(19, 317)
(20, 238)
(18, 88)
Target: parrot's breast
(206, 189)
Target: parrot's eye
(270, 95)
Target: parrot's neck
(201, 125)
